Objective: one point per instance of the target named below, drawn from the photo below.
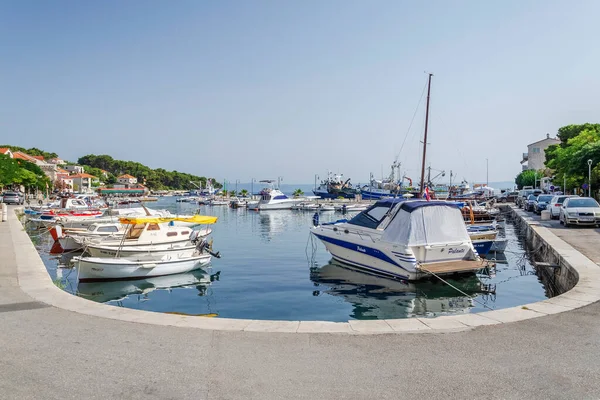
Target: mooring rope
(457, 289)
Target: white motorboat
(239, 202)
(96, 268)
(148, 235)
(66, 236)
(218, 202)
(326, 207)
(272, 198)
(409, 240)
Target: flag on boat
(426, 194)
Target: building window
(536, 150)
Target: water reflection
(118, 290)
(374, 297)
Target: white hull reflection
(103, 292)
(376, 297)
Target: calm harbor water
(270, 269)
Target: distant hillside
(154, 179)
(32, 152)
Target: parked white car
(580, 211)
(555, 205)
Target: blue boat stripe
(405, 258)
(369, 267)
(352, 246)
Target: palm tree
(298, 193)
(244, 192)
(232, 193)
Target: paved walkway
(51, 353)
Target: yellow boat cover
(196, 219)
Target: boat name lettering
(455, 251)
(361, 249)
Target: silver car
(579, 211)
(556, 203)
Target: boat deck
(451, 266)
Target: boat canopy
(420, 223)
(198, 219)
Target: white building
(127, 180)
(82, 183)
(74, 169)
(535, 158)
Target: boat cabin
(104, 228)
(154, 231)
(67, 202)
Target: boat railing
(365, 234)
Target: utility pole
(590, 178)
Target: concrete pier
(54, 345)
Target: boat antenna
(425, 136)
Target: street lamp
(590, 178)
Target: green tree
(298, 193)
(232, 193)
(570, 131)
(570, 159)
(528, 177)
(244, 193)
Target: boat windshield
(371, 217)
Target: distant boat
(271, 198)
(335, 187)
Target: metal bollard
(4, 212)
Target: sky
(259, 89)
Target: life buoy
(40, 202)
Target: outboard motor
(344, 209)
(316, 219)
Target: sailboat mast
(425, 136)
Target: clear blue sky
(242, 89)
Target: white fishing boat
(144, 265)
(218, 202)
(326, 207)
(66, 236)
(409, 240)
(96, 268)
(148, 235)
(271, 198)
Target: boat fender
(315, 219)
